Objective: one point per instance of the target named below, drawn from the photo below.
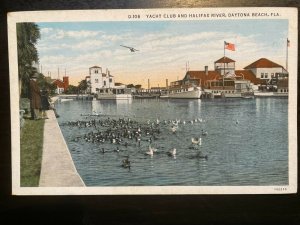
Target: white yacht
(116, 93)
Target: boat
(145, 96)
(234, 87)
(182, 92)
(116, 93)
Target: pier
(77, 96)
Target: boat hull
(191, 94)
(113, 96)
(232, 94)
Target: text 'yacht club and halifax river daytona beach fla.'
(104, 125)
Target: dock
(76, 96)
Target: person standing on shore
(35, 98)
(45, 103)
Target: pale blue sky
(165, 46)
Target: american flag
(229, 46)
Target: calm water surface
(246, 144)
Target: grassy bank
(31, 152)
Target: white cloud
(56, 34)
(163, 54)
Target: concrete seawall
(58, 169)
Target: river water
(246, 141)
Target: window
(96, 71)
(110, 80)
(272, 75)
(266, 75)
(96, 80)
(104, 83)
(262, 75)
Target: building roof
(211, 75)
(200, 75)
(248, 75)
(224, 59)
(263, 63)
(59, 83)
(95, 67)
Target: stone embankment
(58, 169)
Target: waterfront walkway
(58, 168)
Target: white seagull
(151, 151)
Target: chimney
(66, 82)
(206, 70)
(167, 85)
(148, 84)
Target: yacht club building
(260, 73)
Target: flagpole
(287, 54)
(224, 65)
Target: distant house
(61, 85)
(264, 69)
(97, 79)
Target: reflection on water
(246, 141)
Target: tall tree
(27, 37)
(83, 85)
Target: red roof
(224, 59)
(200, 75)
(263, 63)
(59, 83)
(248, 75)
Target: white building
(265, 69)
(98, 79)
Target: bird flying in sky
(130, 48)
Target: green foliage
(31, 152)
(45, 83)
(138, 86)
(130, 85)
(82, 86)
(72, 90)
(27, 37)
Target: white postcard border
(131, 15)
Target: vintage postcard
(154, 101)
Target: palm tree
(27, 37)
